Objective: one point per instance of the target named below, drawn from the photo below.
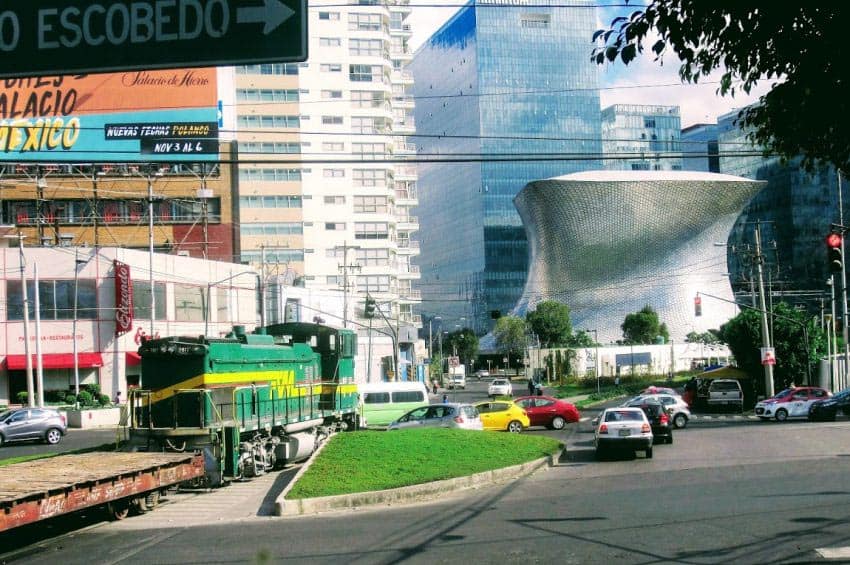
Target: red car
(546, 411)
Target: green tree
(463, 343)
(581, 339)
(708, 338)
(801, 47)
(743, 335)
(511, 336)
(643, 327)
(551, 322)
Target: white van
(384, 402)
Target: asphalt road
(74, 439)
(732, 491)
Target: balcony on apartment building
(407, 223)
(406, 196)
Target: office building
(699, 148)
(641, 138)
(505, 94)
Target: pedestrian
(445, 399)
(539, 389)
(434, 387)
(118, 397)
(531, 387)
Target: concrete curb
(414, 493)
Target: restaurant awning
(55, 361)
(133, 359)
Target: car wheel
(680, 421)
(781, 415)
(648, 453)
(558, 423)
(52, 436)
(515, 426)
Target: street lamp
(30, 386)
(77, 263)
(231, 277)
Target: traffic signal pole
(844, 332)
(765, 336)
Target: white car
(675, 407)
(500, 387)
(623, 428)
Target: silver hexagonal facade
(607, 243)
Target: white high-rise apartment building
(323, 198)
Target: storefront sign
(123, 298)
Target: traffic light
(835, 257)
(697, 306)
(369, 307)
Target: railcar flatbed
(45, 488)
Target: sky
(643, 81)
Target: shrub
(103, 400)
(93, 389)
(70, 399)
(21, 397)
(85, 398)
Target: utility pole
(95, 213)
(765, 337)
(345, 286)
(39, 204)
(30, 385)
(150, 252)
(205, 194)
(844, 332)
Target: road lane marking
(834, 552)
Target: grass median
(371, 460)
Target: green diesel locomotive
(248, 402)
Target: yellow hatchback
(503, 415)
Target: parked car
(660, 390)
(675, 406)
(659, 420)
(22, 424)
(623, 428)
(827, 408)
(553, 413)
(500, 387)
(726, 392)
(451, 415)
(503, 415)
(792, 402)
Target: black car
(662, 427)
(828, 408)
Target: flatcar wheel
(152, 500)
(118, 509)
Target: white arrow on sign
(272, 12)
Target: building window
(330, 68)
(329, 42)
(367, 99)
(373, 257)
(371, 230)
(534, 21)
(640, 166)
(142, 300)
(274, 255)
(272, 229)
(332, 280)
(328, 15)
(266, 95)
(277, 201)
(332, 120)
(189, 303)
(56, 299)
(369, 177)
(366, 47)
(333, 146)
(364, 22)
(648, 122)
(331, 94)
(268, 69)
(334, 226)
(270, 175)
(368, 124)
(365, 73)
(373, 283)
(273, 147)
(370, 204)
(333, 173)
(372, 149)
(268, 121)
(334, 200)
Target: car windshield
(623, 416)
(4, 415)
(724, 385)
(785, 393)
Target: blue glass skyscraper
(509, 93)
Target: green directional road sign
(47, 37)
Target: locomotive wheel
(118, 509)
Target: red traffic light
(833, 240)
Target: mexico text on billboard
(115, 117)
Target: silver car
(450, 415)
(675, 407)
(500, 387)
(22, 424)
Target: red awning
(55, 361)
(133, 359)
